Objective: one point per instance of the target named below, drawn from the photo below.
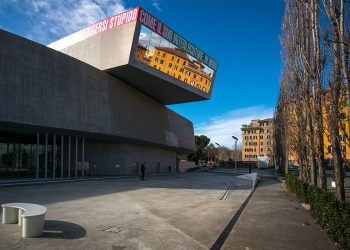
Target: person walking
(143, 168)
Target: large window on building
(150, 45)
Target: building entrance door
(134, 168)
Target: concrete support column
(8, 159)
(82, 156)
(46, 139)
(37, 155)
(76, 156)
(69, 151)
(62, 140)
(54, 157)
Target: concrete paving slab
(163, 212)
(273, 219)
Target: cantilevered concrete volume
(97, 106)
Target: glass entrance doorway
(18, 158)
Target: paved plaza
(163, 212)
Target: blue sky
(242, 35)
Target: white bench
(30, 216)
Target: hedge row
(332, 215)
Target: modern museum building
(94, 102)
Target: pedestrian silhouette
(142, 177)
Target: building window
(163, 55)
(185, 80)
(179, 77)
(192, 83)
(262, 150)
(194, 76)
(330, 149)
(178, 60)
(182, 70)
(261, 143)
(170, 65)
(172, 58)
(175, 67)
(184, 63)
(161, 61)
(156, 60)
(343, 149)
(158, 53)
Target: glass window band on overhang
(166, 57)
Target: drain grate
(114, 229)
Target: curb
(227, 230)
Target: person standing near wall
(143, 168)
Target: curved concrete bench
(30, 216)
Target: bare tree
(316, 71)
(332, 8)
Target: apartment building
(257, 139)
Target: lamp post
(217, 152)
(236, 139)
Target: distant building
(257, 139)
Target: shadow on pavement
(63, 230)
(59, 192)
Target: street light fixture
(236, 139)
(217, 158)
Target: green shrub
(332, 215)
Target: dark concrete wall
(117, 158)
(42, 87)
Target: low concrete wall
(186, 165)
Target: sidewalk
(274, 219)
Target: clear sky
(242, 35)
